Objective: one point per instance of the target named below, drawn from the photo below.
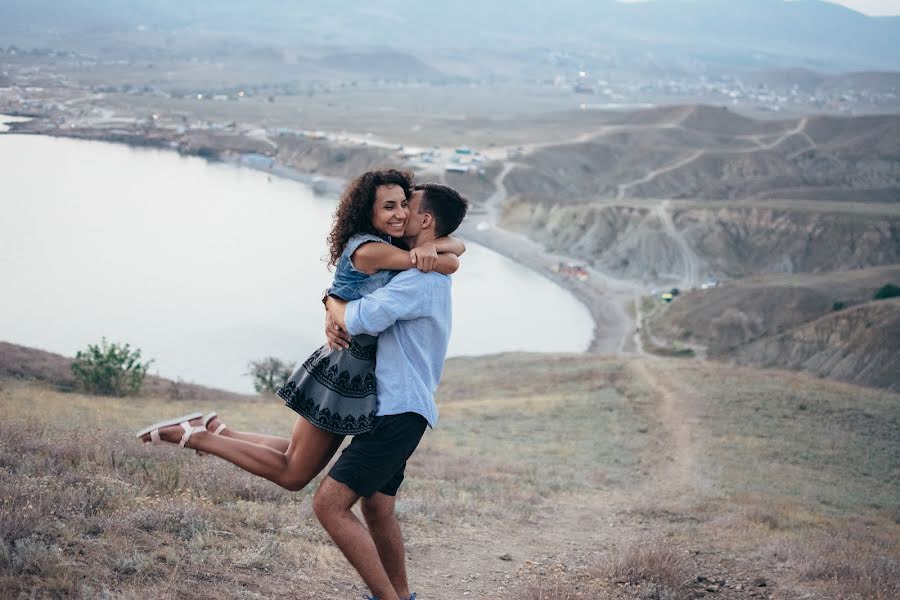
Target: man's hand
(424, 257)
(335, 328)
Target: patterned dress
(335, 390)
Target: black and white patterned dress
(336, 390)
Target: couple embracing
(388, 317)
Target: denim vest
(350, 284)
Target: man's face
(414, 222)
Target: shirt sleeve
(407, 296)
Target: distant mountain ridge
(757, 33)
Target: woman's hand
(424, 257)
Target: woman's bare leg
(278, 443)
(309, 451)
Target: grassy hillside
(550, 476)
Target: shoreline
(605, 298)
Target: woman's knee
(297, 472)
(294, 482)
(294, 485)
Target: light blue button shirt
(411, 316)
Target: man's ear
(427, 220)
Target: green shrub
(269, 374)
(838, 306)
(887, 291)
(110, 369)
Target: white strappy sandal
(184, 421)
(222, 426)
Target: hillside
(686, 243)
(702, 152)
(31, 364)
(826, 324)
(859, 345)
(576, 477)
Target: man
(411, 316)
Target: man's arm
(450, 244)
(407, 296)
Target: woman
(333, 392)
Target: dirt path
(691, 275)
(571, 531)
(676, 467)
(800, 129)
(622, 188)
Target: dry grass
(856, 558)
(659, 562)
(549, 590)
(542, 457)
(79, 519)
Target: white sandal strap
(154, 436)
(167, 423)
(220, 428)
(188, 432)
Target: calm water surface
(207, 266)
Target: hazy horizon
(873, 8)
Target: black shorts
(374, 461)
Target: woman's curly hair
(354, 210)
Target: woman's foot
(213, 424)
(174, 433)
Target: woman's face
(390, 211)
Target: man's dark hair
(445, 203)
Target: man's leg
(332, 505)
(385, 529)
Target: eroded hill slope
(827, 324)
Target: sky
(868, 7)
(872, 7)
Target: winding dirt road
(606, 298)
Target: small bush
(110, 369)
(838, 306)
(269, 374)
(887, 291)
(656, 561)
(549, 590)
